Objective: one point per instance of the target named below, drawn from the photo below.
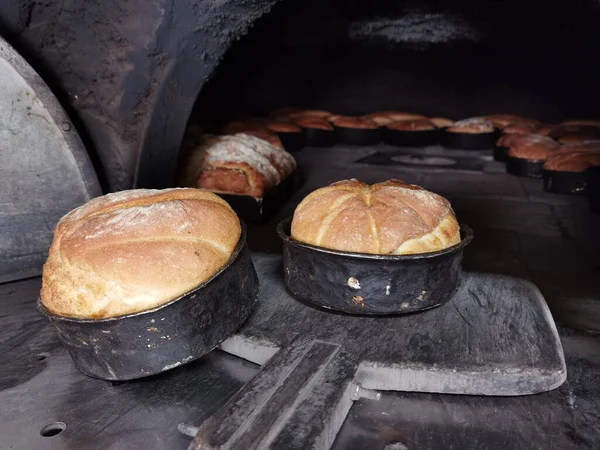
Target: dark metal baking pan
(592, 180)
(500, 153)
(293, 141)
(360, 283)
(261, 210)
(404, 138)
(523, 167)
(358, 136)
(154, 341)
(316, 137)
(469, 141)
(564, 182)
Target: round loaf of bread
(386, 218)
(353, 122)
(279, 126)
(412, 125)
(519, 128)
(532, 147)
(314, 123)
(383, 118)
(476, 125)
(502, 120)
(135, 250)
(441, 122)
(575, 161)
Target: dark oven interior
(450, 58)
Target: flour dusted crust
(386, 218)
(135, 250)
(238, 164)
(502, 120)
(475, 125)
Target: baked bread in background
(412, 125)
(573, 161)
(506, 140)
(280, 126)
(441, 122)
(353, 122)
(520, 128)
(502, 120)
(314, 123)
(476, 125)
(383, 118)
(532, 147)
(238, 164)
(385, 218)
(135, 250)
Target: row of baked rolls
(238, 164)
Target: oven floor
(520, 230)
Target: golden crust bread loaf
(573, 161)
(532, 147)
(238, 164)
(135, 250)
(386, 218)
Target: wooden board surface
(494, 337)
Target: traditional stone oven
(129, 73)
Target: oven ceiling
(128, 73)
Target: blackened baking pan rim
(521, 167)
(465, 231)
(410, 138)
(575, 180)
(238, 249)
(371, 285)
(468, 141)
(357, 136)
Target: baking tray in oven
(261, 210)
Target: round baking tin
(469, 141)
(406, 138)
(592, 180)
(524, 167)
(500, 154)
(359, 283)
(316, 137)
(358, 136)
(561, 182)
(293, 141)
(154, 341)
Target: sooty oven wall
(450, 58)
(129, 72)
